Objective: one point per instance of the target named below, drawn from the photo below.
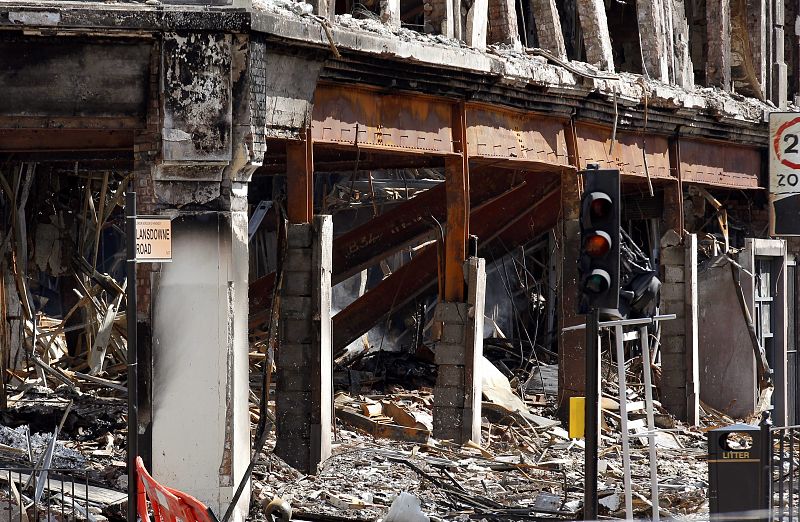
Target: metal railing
(31, 494)
(784, 471)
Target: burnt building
(380, 137)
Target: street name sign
(784, 173)
(153, 239)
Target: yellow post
(577, 411)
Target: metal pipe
(623, 415)
(644, 337)
(625, 322)
(592, 416)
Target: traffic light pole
(591, 415)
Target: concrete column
(778, 86)
(596, 39)
(679, 338)
(438, 17)
(683, 71)
(457, 395)
(477, 24)
(324, 8)
(304, 380)
(201, 423)
(503, 23)
(758, 31)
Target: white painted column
(201, 426)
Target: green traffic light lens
(598, 282)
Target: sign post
(148, 239)
(133, 376)
(784, 173)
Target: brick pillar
(303, 384)
(457, 396)
(718, 35)
(596, 39)
(548, 27)
(503, 23)
(679, 337)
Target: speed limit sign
(784, 173)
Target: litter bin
(736, 473)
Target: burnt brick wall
(502, 22)
(258, 105)
(146, 148)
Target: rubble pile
(524, 468)
(63, 400)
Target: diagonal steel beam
(403, 225)
(513, 218)
(390, 232)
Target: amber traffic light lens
(600, 208)
(598, 282)
(597, 245)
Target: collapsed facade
(442, 138)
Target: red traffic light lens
(597, 244)
(600, 207)
(598, 282)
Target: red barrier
(169, 505)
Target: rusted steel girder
(525, 207)
(456, 171)
(300, 180)
(719, 164)
(634, 154)
(369, 119)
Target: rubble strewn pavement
(519, 469)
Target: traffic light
(598, 263)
